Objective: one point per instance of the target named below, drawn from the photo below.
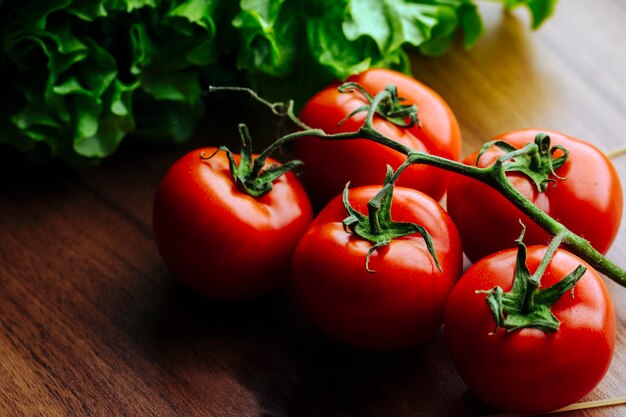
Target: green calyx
(535, 160)
(378, 227)
(525, 305)
(251, 175)
(391, 108)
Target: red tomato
(399, 305)
(528, 370)
(329, 165)
(220, 241)
(588, 201)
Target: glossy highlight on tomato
(330, 164)
(398, 306)
(588, 201)
(530, 370)
(219, 241)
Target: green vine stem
(493, 175)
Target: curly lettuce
(83, 75)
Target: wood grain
(92, 324)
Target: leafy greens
(80, 76)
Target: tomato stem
(390, 108)
(251, 175)
(525, 305)
(535, 160)
(493, 175)
(528, 304)
(378, 227)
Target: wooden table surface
(91, 322)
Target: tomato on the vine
(402, 302)
(587, 200)
(530, 370)
(217, 239)
(330, 164)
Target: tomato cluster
(381, 263)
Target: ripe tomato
(588, 201)
(329, 165)
(529, 370)
(399, 305)
(220, 241)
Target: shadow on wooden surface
(289, 367)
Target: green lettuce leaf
(540, 10)
(268, 42)
(80, 64)
(82, 75)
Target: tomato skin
(329, 165)
(588, 201)
(219, 241)
(528, 370)
(399, 305)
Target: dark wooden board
(91, 322)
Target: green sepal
(390, 109)
(525, 305)
(378, 227)
(535, 160)
(251, 175)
